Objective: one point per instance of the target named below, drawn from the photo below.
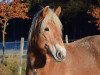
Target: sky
(6, 0)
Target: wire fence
(13, 47)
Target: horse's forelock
(52, 16)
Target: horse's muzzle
(59, 55)
(58, 52)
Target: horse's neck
(83, 55)
(49, 58)
(53, 67)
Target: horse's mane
(33, 25)
(36, 19)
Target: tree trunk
(3, 39)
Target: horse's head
(46, 34)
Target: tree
(95, 13)
(16, 9)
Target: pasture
(11, 64)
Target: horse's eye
(46, 29)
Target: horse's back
(90, 44)
(87, 43)
(84, 56)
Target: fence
(13, 47)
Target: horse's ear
(58, 11)
(45, 11)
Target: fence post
(21, 54)
(66, 39)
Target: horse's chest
(54, 69)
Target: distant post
(21, 54)
(66, 39)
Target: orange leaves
(18, 10)
(95, 12)
(3, 9)
(14, 10)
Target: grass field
(11, 64)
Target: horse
(48, 55)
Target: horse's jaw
(57, 52)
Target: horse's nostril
(60, 55)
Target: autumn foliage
(19, 10)
(16, 9)
(95, 12)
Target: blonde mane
(50, 15)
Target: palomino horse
(48, 55)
